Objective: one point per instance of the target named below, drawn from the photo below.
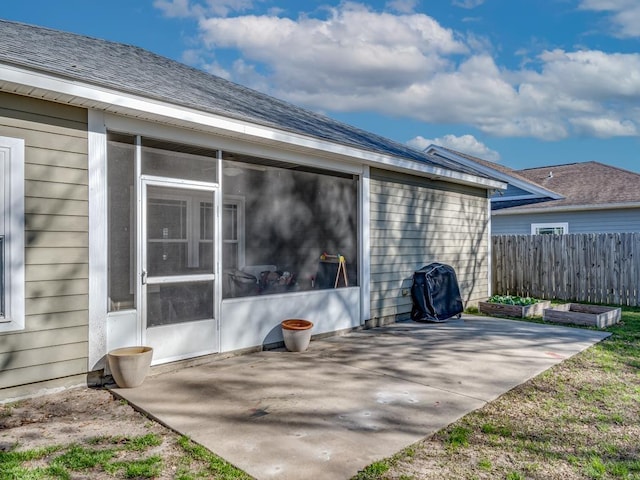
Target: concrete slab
(351, 400)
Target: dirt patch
(77, 417)
(72, 416)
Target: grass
(578, 420)
(201, 463)
(458, 437)
(115, 457)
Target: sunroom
(209, 249)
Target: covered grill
(435, 294)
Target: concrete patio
(351, 400)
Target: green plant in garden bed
(513, 300)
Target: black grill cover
(435, 294)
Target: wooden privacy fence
(592, 268)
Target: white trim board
(12, 158)
(98, 235)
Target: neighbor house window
(549, 228)
(11, 234)
(278, 221)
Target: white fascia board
(119, 123)
(566, 208)
(538, 192)
(90, 96)
(436, 173)
(515, 197)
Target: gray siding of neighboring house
(596, 221)
(415, 222)
(52, 349)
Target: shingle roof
(585, 183)
(495, 166)
(133, 70)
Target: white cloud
(407, 65)
(174, 8)
(593, 74)
(625, 14)
(225, 7)
(191, 57)
(467, 3)
(353, 47)
(402, 6)
(420, 143)
(605, 127)
(188, 8)
(465, 144)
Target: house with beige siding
(149, 203)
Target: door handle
(143, 276)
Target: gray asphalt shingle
(586, 183)
(133, 70)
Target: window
(11, 234)
(549, 228)
(278, 221)
(180, 232)
(164, 159)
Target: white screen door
(178, 276)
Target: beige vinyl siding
(415, 222)
(54, 343)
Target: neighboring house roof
(573, 186)
(531, 191)
(584, 186)
(92, 72)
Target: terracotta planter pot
(130, 365)
(296, 334)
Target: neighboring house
(597, 198)
(147, 202)
(520, 190)
(586, 197)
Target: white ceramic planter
(130, 365)
(296, 334)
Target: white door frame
(162, 337)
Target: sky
(525, 83)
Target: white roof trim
(537, 191)
(499, 198)
(63, 90)
(565, 208)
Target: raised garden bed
(515, 307)
(579, 314)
